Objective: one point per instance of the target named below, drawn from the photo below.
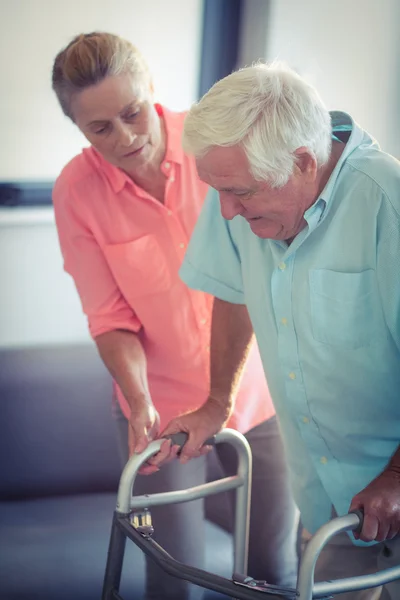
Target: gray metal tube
(241, 482)
(352, 584)
(129, 475)
(243, 497)
(179, 496)
(305, 581)
(306, 588)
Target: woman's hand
(143, 428)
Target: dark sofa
(59, 471)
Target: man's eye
(132, 115)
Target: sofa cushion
(59, 436)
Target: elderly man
(303, 247)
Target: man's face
(274, 213)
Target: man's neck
(322, 178)
(326, 171)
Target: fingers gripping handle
(180, 439)
(360, 514)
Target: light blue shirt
(326, 314)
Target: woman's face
(118, 118)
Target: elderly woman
(125, 209)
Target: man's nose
(230, 206)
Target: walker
(132, 519)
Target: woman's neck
(150, 177)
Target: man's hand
(380, 502)
(200, 425)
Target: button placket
(288, 350)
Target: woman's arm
(124, 357)
(112, 322)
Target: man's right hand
(200, 425)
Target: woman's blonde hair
(267, 109)
(91, 57)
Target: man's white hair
(270, 111)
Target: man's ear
(306, 163)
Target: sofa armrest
(58, 435)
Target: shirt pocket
(140, 267)
(345, 307)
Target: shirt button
(292, 375)
(169, 213)
(172, 179)
(306, 420)
(282, 266)
(323, 460)
(167, 165)
(284, 321)
(181, 245)
(203, 321)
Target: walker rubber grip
(360, 515)
(180, 439)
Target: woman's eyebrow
(133, 104)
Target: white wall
(254, 28)
(38, 302)
(349, 49)
(36, 140)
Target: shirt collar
(342, 122)
(173, 124)
(173, 154)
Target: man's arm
(380, 500)
(231, 337)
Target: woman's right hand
(144, 426)
(124, 357)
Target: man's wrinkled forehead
(224, 167)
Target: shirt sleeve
(101, 299)
(388, 270)
(212, 261)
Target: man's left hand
(380, 503)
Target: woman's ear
(151, 86)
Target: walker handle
(360, 514)
(180, 439)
